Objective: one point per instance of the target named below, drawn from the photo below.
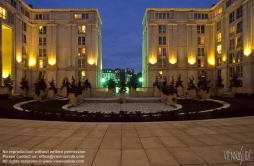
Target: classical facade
(53, 43)
(187, 41)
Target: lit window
(231, 30)
(81, 74)
(42, 52)
(201, 40)
(42, 63)
(162, 15)
(232, 58)
(219, 37)
(42, 74)
(81, 51)
(239, 12)
(42, 29)
(239, 27)
(81, 63)
(239, 56)
(81, 29)
(23, 26)
(231, 17)
(201, 51)
(162, 28)
(219, 49)
(162, 51)
(42, 16)
(219, 25)
(218, 11)
(24, 50)
(200, 29)
(81, 40)
(2, 13)
(42, 41)
(162, 40)
(232, 44)
(201, 62)
(23, 38)
(162, 62)
(81, 16)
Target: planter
(235, 90)
(87, 93)
(64, 91)
(122, 96)
(203, 94)
(180, 91)
(72, 99)
(170, 99)
(41, 97)
(133, 92)
(219, 91)
(51, 93)
(80, 98)
(24, 92)
(4, 90)
(192, 93)
(156, 92)
(164, 97)
(110, 93)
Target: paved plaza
(135, 144)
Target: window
(2, 13)
(239, 70)
(232, 44)
(13, 3)
(162, 51)
(81, 63)
(42, 41)
(200, 29)
(81, 74)
(162, 62)
(24, 62)
(162, 15)
(231, 17)
(162, 40)
(239, 27)
(42, 63)
(239, 42)
(201, 40)
(81, 51)
(27, 14)
(218, 61)
(228, 3)
(162, 28)
(201, 51)
(42, 16)
(231, 30)
(232, 58)
(219, 49)
(218, 72)
(200, 16)
(81, 40)
(219, 37)
(81, 29)
(201, 62)
(218, 25)
(10, 18)
(42, 29)
(23, 38)
(239, 12)
(239, 56)
(218, 11)
(81, 16)
(23, 26)
(231, 71)
(42, 74)
(42, 52)
(24, 50)
(23, 11)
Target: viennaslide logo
(237, 155)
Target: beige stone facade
(53, 43)
(187, 41)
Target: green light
(140, 79)
(103, 79)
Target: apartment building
(188, 41)
(53, 43)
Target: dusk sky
(122, 25)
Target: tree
(86, 84)
(133, 81)
(111, 84)
(122, 87)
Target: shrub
(219, 82)
(111, 84)
(52, 85)
(179, 82)
(191, 84)
(86, 84)
(40, 84)
(66, 83)
(8, 82)
(122, 87)
(24, 83)
(235, 82)
(203, 82)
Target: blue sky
(122, 25)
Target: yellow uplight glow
(160, 72)
(247, 51)
(152, 60)
(19, 58)
(224, 58)
(211, 61)
(83, 73)
(5, 74)
(191, 60)
(172, 60)
(91, 61)
(31, 62)
(52, 61)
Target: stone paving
(135, 144)
(116, 107)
